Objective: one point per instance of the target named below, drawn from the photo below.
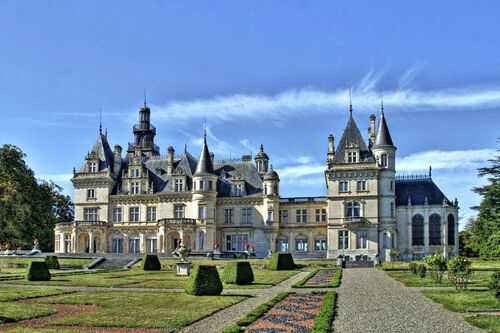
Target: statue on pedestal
(183, 265)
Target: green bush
(150, 262)
(238, 272)
(495, 284)
(436, 265)
(421, 270)
(460, 272)
(52, 262)
(323, 321)
(38, 271)
(281, 261)
(413, 267)
(204, 280)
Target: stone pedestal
(339, 262)
(217, 254)
(183, 268)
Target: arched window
(434, 229)
(451, 229)
(353, 209)
(417, 230)
(383, 161)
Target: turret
(271, 183)
(144, 134)
(261, 161)
(383, 148)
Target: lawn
(477, 264)
(255, 263)
(66, 262)
(146, 310)
(490, 323)
(18, 311)
(14, 294)
(480, 279)
(464, 301)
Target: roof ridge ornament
(350, 102)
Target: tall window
(392, 185)
(246, 215)
(134, 187)
(284, 216)
(301, 215)
(133, 214)
(383, 160)
(179, 211)
(92, 167)
(201, 240)
(352, 157)
(270, 215)
(236, 242)
(451, 229)
(343, 239)
(392, 209)
(151, 214)
(201, 212)
(361, 239)
(117, 245)
(417, 230)
(228, 216)
(210, 185)
(282, 245)
(434, 229)
(320, 245)
(343, 186)
(301, 244)
(353, 209)
(178, 185)
(57, 242)
(361, 185)
(117, 214)
(91, 194)
(321, 215)
(134, 173)
(238, 190)
(91, 214)
(134, 245)
(152, 245)
(202, 187)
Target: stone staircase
(111, 263)
(358, 264)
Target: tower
(144, 134)
(262, 161)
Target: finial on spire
(430, 171)
(350, 102)
(382, 106)
(205, 129)
(185, 147)
(100, 120)
(145, 96)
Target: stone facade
(145, 203)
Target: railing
(303, 199)
(83, 223)
(354, 221)
(413, 177)
(167, 221)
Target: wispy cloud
(407, 78)
(439, 159)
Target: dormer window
(383, 161)
(92, 167)
(178, 186)
(238, 190)
(134, 173)
(134, 187)
(352, 157)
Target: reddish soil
(322, 278)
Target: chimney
(331, 144)
(117, 165)
(170, 160)
(371, 130)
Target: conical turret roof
(205, 164)
(383, 137)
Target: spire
(145, 96)
(383, 136)
(350, 102)
(100, 120)
(204, 162)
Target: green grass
(464, 301)
(19, 311)
(255, 263)
(490, 323)
(485, 264)
(300, 284)
(14, 294)
(145, 310)
(40, 330)
(67, 262)
(323, 321)
(335, 282)
(480, 279)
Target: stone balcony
(177, 221)
(355, 222)
(82, 224)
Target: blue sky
(271, 72)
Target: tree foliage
(485, 238)
(29, 208)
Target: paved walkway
(370, 301)
(220, 320)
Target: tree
(29, 208)
(465, 235)
(485, 238)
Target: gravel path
(370, 301)
(220, 320)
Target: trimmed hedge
(150, 262)
(413, 267)
(421, 270)
(337, 278)
(495, 285)
(38, 271)
(323, 321)
(52, 262)
(204, 280)
(238, 272)
(281, 261)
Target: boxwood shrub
(421, 270)
(52, 262)
(204, 280)
(150, 262)
(281, 261)
(238, 272)
(413, 267)
(495, 284)
(38, 271)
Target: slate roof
(383, 137)
(204, 162)
(417, 190)
(352, 136)
(246, 171)
(104, 152)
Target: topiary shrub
(38, 271)
(52, 262)
(421, 270)
(460, 272)
(413, 267)
(238, 272)
(204, 280)
(436, 266)
(281, 261)
(150, 262)
(495, 285)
